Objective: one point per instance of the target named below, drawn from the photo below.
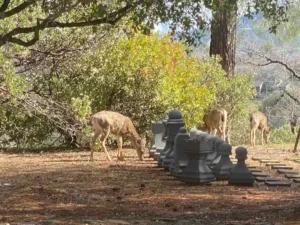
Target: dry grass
(65, 188)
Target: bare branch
(285, 65)
(258, 64)
(292, 97)
(270, 61)
(59, 52)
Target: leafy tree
(31, 17)
(223, 29)
(21, 22)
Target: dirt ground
(65, 188)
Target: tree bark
(223, 35)
(297, 140)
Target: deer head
(267, 133)
(140, 146)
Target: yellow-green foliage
(145, 77)
(233, 95)
(184, 88)
(282, 135)
(179, 79)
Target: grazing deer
(258, 120)
(215, 121)
(106, 122)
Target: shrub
(282, 135)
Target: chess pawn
(224, 166)
(240, 174)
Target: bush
(144, 78)
(283, 135)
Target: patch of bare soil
(65, 188)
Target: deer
(258, 120)
(215, 121)
(109, 122)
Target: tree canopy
(22, 21)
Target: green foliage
(233, 94)
(240, 124)
(186, 89)
(145, 77)
(287, 33)
(81, 107)
(21, 128)
(76, 72)
(16, 85)
(282, 135)
(186, 18)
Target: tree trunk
(297, 140)
(223, 35)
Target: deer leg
(251, 141)
(213, 131)
(262, 136)
(96, 135)
(254, 137)
(224, 133)
(120, 150)
(221, 133)
(103, 139)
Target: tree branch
(15, 10)
(115, 17)
(285, 65)
(26, 43)
(258, 64)
(4, 5)
(292, 97)
(271, 61)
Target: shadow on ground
(64, 188)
